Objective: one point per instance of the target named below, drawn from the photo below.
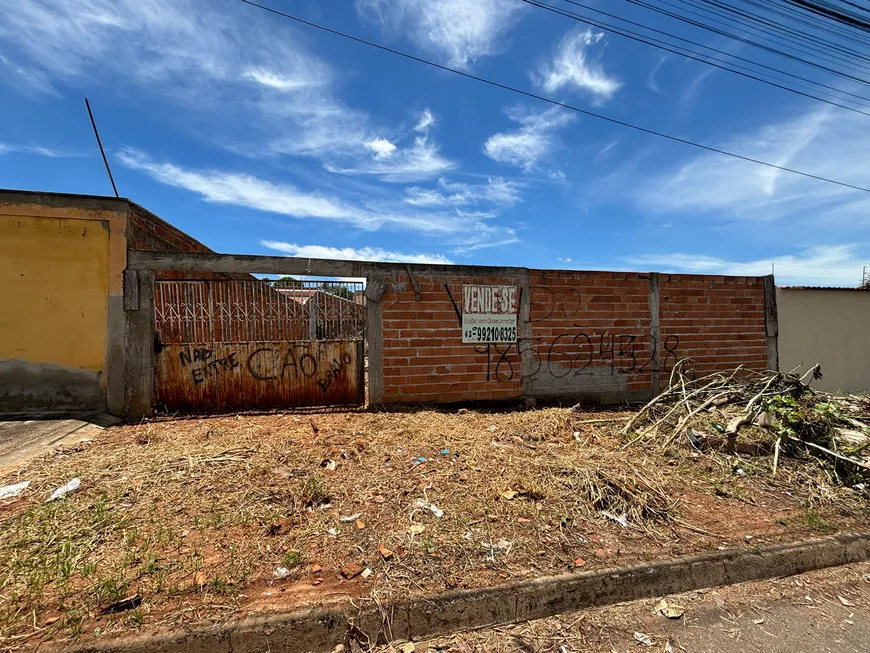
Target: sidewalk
(26, 435)
(801, 613)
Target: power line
(756, 44)
(823, 9)
(662, 45)
(717, 8)
(804, 18)
(701, 45)
(787, 13)
(542, 98)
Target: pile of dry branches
(758, 413)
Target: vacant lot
(190, 518)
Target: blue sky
(258, 135)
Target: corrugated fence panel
(266, 374)
(241, 344)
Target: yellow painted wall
(54, 285)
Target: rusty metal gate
(226, 345)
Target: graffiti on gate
(203, 364)
(264, 364)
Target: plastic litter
(643, 638)
(422, 503)
(845, 601)
(333, 531)
(10, 491)
(622, 519)
(63, 490)
(129, 603)
(418, 461)
(670, 610)
(349, 518)
(445, 452)
(281, 573)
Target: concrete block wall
(602, 337)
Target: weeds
(197, 519)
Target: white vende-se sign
(489, 313)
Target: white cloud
(605, 151)
(273, 80)
(573, 68)
(238, 189)
(10, 148)
(651, 82)
(532, 142)
(508, 239)
(426, 121)
(242, 190)
(352, 254)
(691, 93)
(565, 259)
(381, 147)
(822, 142)
(459, 31)
(421, 160)
(187, 43)
(454, 194)
(244, 79)
(832, 265)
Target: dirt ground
(191, 519)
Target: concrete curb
(424, 618)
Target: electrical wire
(701, 45)
(717, 63)
(542, 98)
(799, 17)
(814, 22)
(821, 8)
(756, 44)
(745, 18)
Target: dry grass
(195, 514)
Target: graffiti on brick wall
(571, 353)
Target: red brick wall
(718, 321)
(424, 358)
(590, 332)
(149, 232)
(589, 335)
